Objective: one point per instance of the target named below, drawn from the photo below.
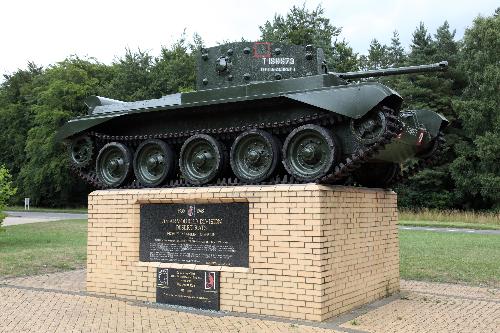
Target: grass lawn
(450, 257)
(39, 248)
(48, 210)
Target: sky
(48, 31)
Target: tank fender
(353, 100)
(432, 121)
(78, 125)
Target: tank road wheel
(254, 155)
(113, 164)
(81, 151)
(309, 152)
(369, 128)
(153, 162)
(202, 159)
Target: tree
(396, 52)
(57, 95)
(302, 27)
(476, 170)
(175, 69)
(422, 47)
(131, 77)
(15, 116)
(344, 59)
(434, 187)
(378, 56)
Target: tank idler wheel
(254, 155)
(154, 162)
(369, 128)
(81, 150)
(310, 152)
(114, 164)
(202, 159)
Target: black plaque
(205, 234)
(197, 289)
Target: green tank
(263, 113)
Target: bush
(2, 216)
(6, 190)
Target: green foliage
(58, 95)
(301, 26)
(378, 56)
(344, 59)
(6, 189)
(15, 117)
(476, 170)
(138, 75)
(396, 52)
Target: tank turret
(243, 63)
(263, 113)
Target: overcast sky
(47, 31)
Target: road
(453, 230)
(14, 218)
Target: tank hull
(324, 92)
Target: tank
(262, 113)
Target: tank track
(340, 172)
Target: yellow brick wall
(314, 251)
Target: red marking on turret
(256, 53)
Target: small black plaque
(205, 234)
(197, 289)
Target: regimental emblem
(210, 281)
(191, 211)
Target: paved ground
(57, 303)
(14, 218)
(454, 230)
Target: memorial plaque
(204, 234)
(197, 289)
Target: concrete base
(314, 251)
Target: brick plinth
(315, 251)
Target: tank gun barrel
(437, 67)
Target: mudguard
(353, 100)
(432, 121)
